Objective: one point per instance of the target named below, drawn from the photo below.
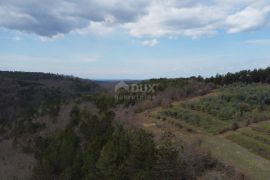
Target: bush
(235, 126)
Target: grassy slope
(251, 164)
(210, 123)
(254, 166)
(256, 141)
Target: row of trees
(34, 76)
(246, 76)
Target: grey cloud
(49, 18)
(197, 19)
(140, 17)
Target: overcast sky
(134, 39)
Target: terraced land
(233, 123)
(209, 123)
(255, 138)
(227, 151)
(230, 108)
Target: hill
(63, 127)
(24, 95)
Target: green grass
(229, 108)
(238, 102)
(251, 144)
(258, 135)
(255, 166)
(247, 148)
(244, 157)
(263, 127)
(200, 119)
(255, 138)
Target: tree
(113, 155)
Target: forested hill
(22, 94)
(71, 84)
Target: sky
(134, 39)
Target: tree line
(245, 76)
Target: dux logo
(135, 88)
(121, 85)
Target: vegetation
(263, 127)
(25, 96)
(232, 107)
(246, 76)
(252, 144)
(164, 83)
(254, 138)
(205, 121)
(171, 94)
(93, 145)
(95, 149)
(238, 102)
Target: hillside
(82, 140)
(26, 95)
(34, 104)
(61, 127)
(228, 113)
(232, 121)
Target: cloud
(141, 18)
(49, 39)
(150, 43)
(200, 19)
(247, 19)
(177, 19)
(105, 27)
(52, 17)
